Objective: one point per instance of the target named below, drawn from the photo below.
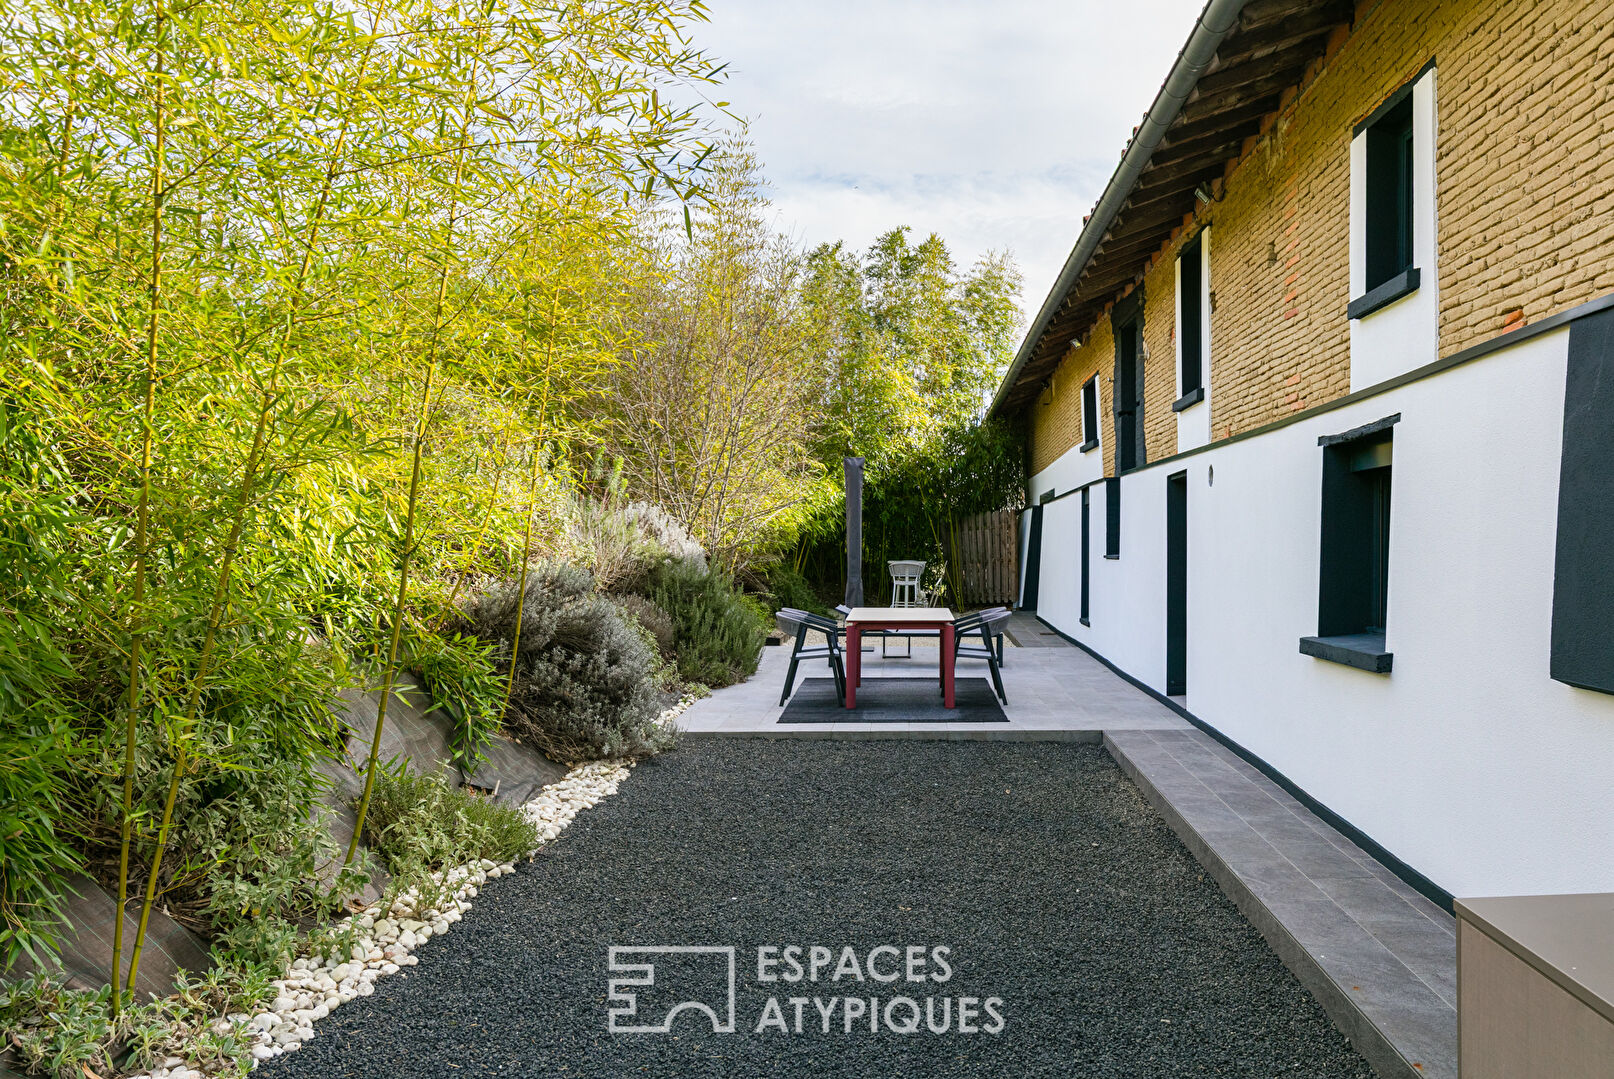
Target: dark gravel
(1055, 885)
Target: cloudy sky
(992, 122)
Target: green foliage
(246, 847)
(67, 1034)
(913, 508)
(718, 630)
(585, 675)
(35, 738)
(418, 821)
(718, 383)
(655, 621)
(464, 682)
(228, 235)
(911, 347)
(788, 588)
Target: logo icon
(696, 977)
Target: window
(1112, 517)
(1090, 414)
(1128, 395)
(1386, 189)
(1389, 194)
(1354, 577)
(1191, 324)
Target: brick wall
(1055, 418)
(1524, 202)
(1525, 172)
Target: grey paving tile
(1377, 955)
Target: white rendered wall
(1467, 761)
(1405, 335)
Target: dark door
(1177, 584)
(1028, 595)
(1087, 551)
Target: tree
(269, 269)
(715, 396)
(907, 346)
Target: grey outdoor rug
(895, 700)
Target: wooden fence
(989, 558)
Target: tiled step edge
(1386, 1060)
(973, 734)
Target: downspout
(1215, 22)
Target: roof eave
(1215, 22)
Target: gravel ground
(1055, 886)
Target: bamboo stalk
(243, 501)
(142, 515)
(421, 417)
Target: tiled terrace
(1056, 692)
(1379, 957)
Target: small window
(1112, 517)
(1090, 414)
(1191, 319)
(1354, 577)
(1128, 391)
(1389, 194)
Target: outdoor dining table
(896, 619)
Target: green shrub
(464, 682)
(719, 631)
(68, 1033)
(586, 677)
(36, 744)
(656, 622)
(417, 820)
(787, 588)
(244, 845)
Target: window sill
(1113, 557)
(1189, 399)
(1085, 622)
(1402, 284)
(1090, 444)
(1364, 651)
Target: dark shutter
(1583, 578)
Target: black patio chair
(830, 650)
(985, 624)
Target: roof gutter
(1215, 22)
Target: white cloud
(995, 125)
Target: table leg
(854, 663)
(947, 665)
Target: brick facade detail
(1524, 202)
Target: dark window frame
(1389, 269)
(1354, 552)
(1128, 387)
(1090, 414)
(1112, 517)
(1191, 322)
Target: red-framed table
(897, 619)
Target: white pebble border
(385, 940)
